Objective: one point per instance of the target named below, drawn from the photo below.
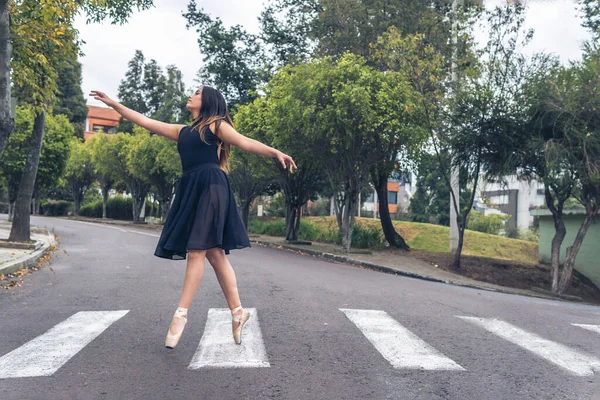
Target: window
(105, 129)
(499, 200)
(393, 197)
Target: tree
(565, 151)
(6, 120)
(131, 90)
(475, 122)
(155, 158)
(232, 57)
(130, 150)
(42, 37)
(79, 171)
(172, 106)
(53, 158)
(104, 155)
(154, 85)
(70, 100)
(251, 175)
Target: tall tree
(232, 57)
(131, 89)
(154, 85)
(172, 106)
(69, 97)
(6, 120)
(43, 36)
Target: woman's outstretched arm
(229, 135)
(170, 131)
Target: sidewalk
(15, 256)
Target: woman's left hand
(284, 159)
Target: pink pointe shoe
(241, 320)
(173, 338)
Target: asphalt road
(94, 326)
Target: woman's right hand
(103, 98)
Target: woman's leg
(193, 275)
(225, 275)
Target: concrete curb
(394, 271)
(31, 259)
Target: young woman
(203, 220)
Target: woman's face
(195, 102)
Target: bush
(56, 207)
(362, 237)
(493, 223)
(3, 208)
(117, 207)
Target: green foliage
(54, 153)
(232, 56)
(117, 207)
(320, 207)
(493, 223)
(70, 99)
(79, 171)
(276, 206)
(55, 208)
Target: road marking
(101, 225)
(398, 345)
(218, 350)
(45, 354)
(573, 361)
(593, 328)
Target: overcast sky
(160, 34)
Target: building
(101, 119)
(400, 192)
(513, 197)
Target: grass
(419, 236)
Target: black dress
(204, 214)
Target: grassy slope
(436, 238)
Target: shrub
(3, 208)
(56, 207)
(492, 223)
(320, 207)
(117, 207)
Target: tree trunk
(7, 123)
(105, 189)
(567, 273)
(246, 213)
(461, 238)
(20, 231)
(560, 231)
(392, 237)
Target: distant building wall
(588, 257)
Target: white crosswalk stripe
(571, 360)
(397, 344)
(218, 350)
(593, 328)
(45, 354)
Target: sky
(160, 33)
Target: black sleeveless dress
(204, 214)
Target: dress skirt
(203, 215)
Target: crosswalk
(402, 348)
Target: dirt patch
(509, 273)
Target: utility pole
(454, 171)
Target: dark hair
(214, 109)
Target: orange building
(101, 119)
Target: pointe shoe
(172, 339)
(241, 320)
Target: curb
(394, 271)
(31, 259)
